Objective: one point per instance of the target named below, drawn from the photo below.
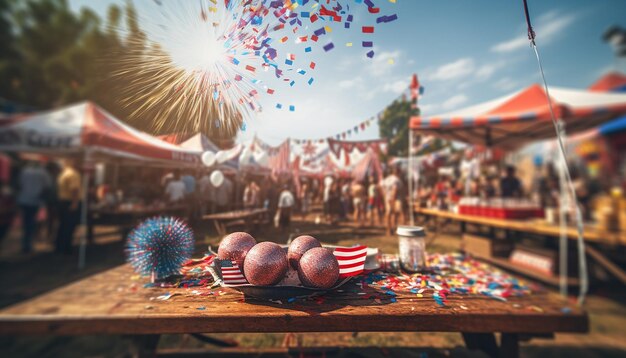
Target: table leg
(509, 345)
(221, 230)
(144, 346)
(485, 342)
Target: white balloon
(221, 156)
(217, 178)
(328, 181)
(262, 159)
(245, 156)
(208, 158)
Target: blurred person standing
(69, 191)
(286, 204)
(306, 198)
(175, 189)
(191, 199)
(206, 194)
(33, 183)
(392, 187)
(374, 200)
(251, 195)
(359, 198)
(51, 198)
(223, 195)
(8, 209)
(346, 199)
(326, 196)
(510, 185)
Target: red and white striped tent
(86, 128)
(524, 116)
(612, 81)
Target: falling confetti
(207, 58)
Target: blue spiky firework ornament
(159, 246)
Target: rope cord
(565, 174)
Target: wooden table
(592, 234)
(245, 217)
(127, 219)
(114, 303)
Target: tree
(51, 56)
(394, 126)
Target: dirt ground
(23, 277)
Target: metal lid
(411, 231)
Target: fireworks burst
(159, 246)
(200, 69)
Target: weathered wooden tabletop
(533, 226)
(237, 214)
(116, 302)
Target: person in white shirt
(206, 194)
(286, 202)
(175, 189)
(34, 181)
(392, 188)
(223, 195)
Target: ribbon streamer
(565, 183)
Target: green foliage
(52, 56)
(394, 126)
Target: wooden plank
(606, 263)
(113, 303)
(539, 227)
(535, 275)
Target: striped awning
(524, 116)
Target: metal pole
(410, 176)
(83, 214)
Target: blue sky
(464, 52)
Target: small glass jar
(412, 245)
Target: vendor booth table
(592, 235)
(111, 303)
(247, 218)
(125, 219)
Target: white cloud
(397, 86)
(383, 63)
(453, 70)
(428, 109)
(506, 84)
(454, 101)
(351, 83)
(487, 70)
(548, 26)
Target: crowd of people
(48, 195)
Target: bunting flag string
(415, 90)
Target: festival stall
(610, 82)
(88, 132)
(525, 116)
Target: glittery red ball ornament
(235, 247)
(298, 247)
(319, 268)
(265, 264)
